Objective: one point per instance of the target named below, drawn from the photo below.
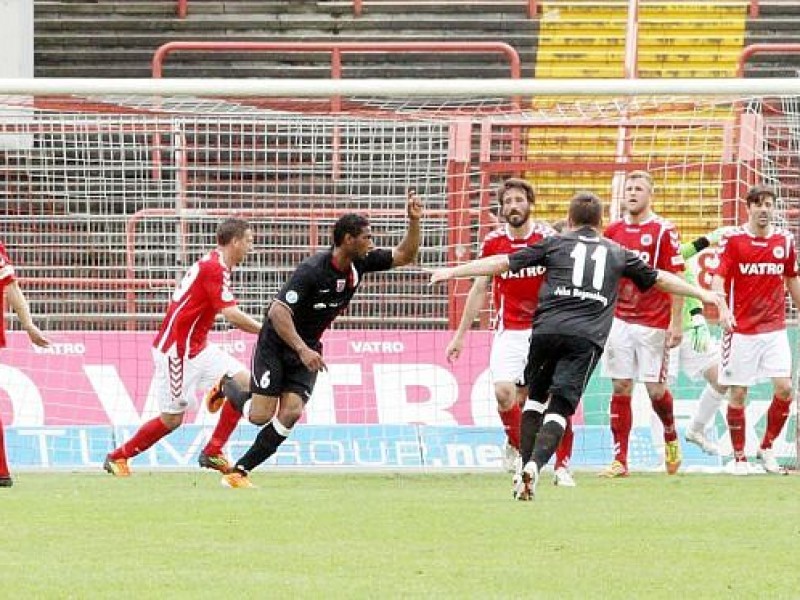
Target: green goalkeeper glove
(715, 236)
(699, 333)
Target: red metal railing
(754, 9)
(753, 49)
(338, 49)
(358, 6)
(182, 9)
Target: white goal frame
(440, 89)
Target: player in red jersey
(184, 359)
(646, 325)
(756, 262)
(515, 297)
(9, 289)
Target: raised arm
(406, 251)
(18, 302)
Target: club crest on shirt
(778, 252)
(291, 296)
(340, 283)
(647, 239)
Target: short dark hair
(757, 193)
(350, 223)
(512, 183)
(231, 229)
(585, 208)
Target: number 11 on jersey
(578, 255)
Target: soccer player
(756, 262)
(184, 359)
(288, 354)
(698, 354)
(573, 318)
(646, 324)
(515, 300)
(10, 290)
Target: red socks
(228, 420)
(3, 463)
(777, 414)
(511, 419)
(147, 435)
(564, 450)
(735, 419)
(621, 423)
(664, 409)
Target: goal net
(109, 198)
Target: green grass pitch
(337, 535)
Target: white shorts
(749, 359)
(693, 364)
(509, 355)
(176, 381)
(636, 352)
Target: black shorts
(277, 369)
(560, 365)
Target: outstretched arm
(18, 302)
(241, 320)
(669, 282)
(491, 265)
(406, 251)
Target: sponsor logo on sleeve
(291, 297)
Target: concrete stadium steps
(80, 38)
(778, 22)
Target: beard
(516, 219)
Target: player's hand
(37, 337)
(715, 236)
(726, 318)
(414, 206)
(312, 359)
(700, 334)
(439, 275)
(674, 336)
(454, 348)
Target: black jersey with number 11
(580, 286)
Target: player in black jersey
(572, 321)
(288, 354)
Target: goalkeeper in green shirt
(698, 354)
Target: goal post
(114, 187)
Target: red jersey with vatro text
(656, 242)
(204, 291)
(754, 269)
(516, 295)
(6, 277)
